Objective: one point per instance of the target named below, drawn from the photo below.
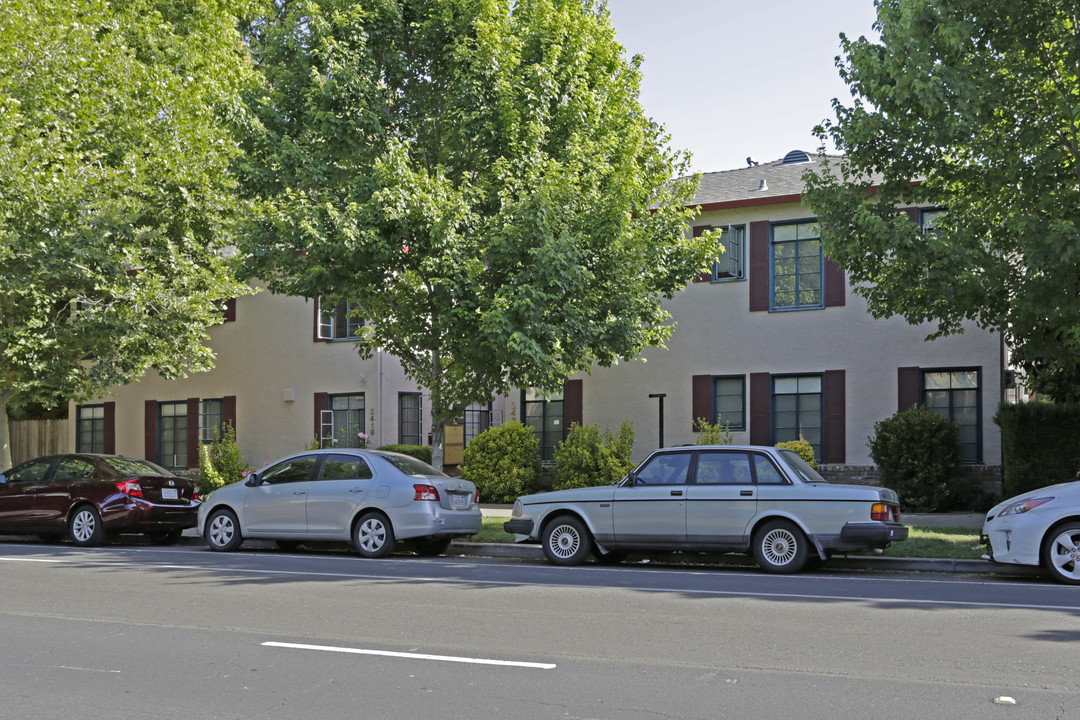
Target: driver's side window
(665, 469)
(294, 470)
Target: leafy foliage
(1038, 444)
(978, 103)
(917, 452)
(117, 127)
(503, 462)
(221, 462)
(420, 452)
(713, 433)
(478, 177)
(801, 448)
(588, 457)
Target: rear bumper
(138, 516)
(873, 533)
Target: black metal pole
(660, 397)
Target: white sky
(737, 78)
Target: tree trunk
(5, 434)
(438, 438)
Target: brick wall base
(985, 477)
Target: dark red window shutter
(760, 409)
(835, 423)
(913, 214)
(759, 266)
(150, 430)
(834, 284)
(228, 411)
(699, 230)
(110, 428)
(193, 432)
(573, 407)
(322, 402)
(700, 400)
(230, 310)
(908, 381)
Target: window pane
(723, 468)
(767, 474)
(666, 469)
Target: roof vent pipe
(763, 186)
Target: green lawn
(922, 542)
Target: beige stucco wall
(718, 335)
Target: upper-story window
(798, 266)
(729, 263)
(340, 321)
(928, 218)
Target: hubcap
(221, 530)
(83, 526)
(565, 541)
(372, 535)
(779, 546)
(1065, 554)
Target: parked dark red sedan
(85, 496)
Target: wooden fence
(34, 438)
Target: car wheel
(432, 546)
(222, 532)
(165, 537)
(613, 557)
(373, 536)
(566, 541)
(85, 527)
(1061, 553)
(780, 547)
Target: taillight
(131, 488)
(476, 498)
(195, 494)
(425, 492)
(879, 511)
(896, 513)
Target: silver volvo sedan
(763, 500)
(370, 497)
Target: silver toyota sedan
(370, 497)
(763, 500)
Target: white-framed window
(729, 265)
(340, 321)
(343, 425)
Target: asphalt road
(130, 631)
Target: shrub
(1038, 444)
(917, 453)
(503, 462)
(588, 457)
(220, 462)
(803, 449)
(711, 434)
(419, 452)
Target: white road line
(555, 584)
(413, 656)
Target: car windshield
(133, 466)
(800, 466)
(411, 466)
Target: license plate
(459, 501)
(169, 494)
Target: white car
(1041, 527)
(370, 497)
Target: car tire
(566, 541)
(432, 546)
(1061, 553)
(165, 537)
(222, 531)
(373, 536)
(85, 528)
(780, 547)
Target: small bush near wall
(1040, 444)
(588, 457)
(917, 453)
(803, 449)
(503, 462)
(417, 451)
(220, 462)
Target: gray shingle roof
(746, 183)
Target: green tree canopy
(978, 103)
(478, 177)
(117, 127)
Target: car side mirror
(252, 481)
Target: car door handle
(356, 490)
(746, 493)
(299, 492)
(677, 493)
